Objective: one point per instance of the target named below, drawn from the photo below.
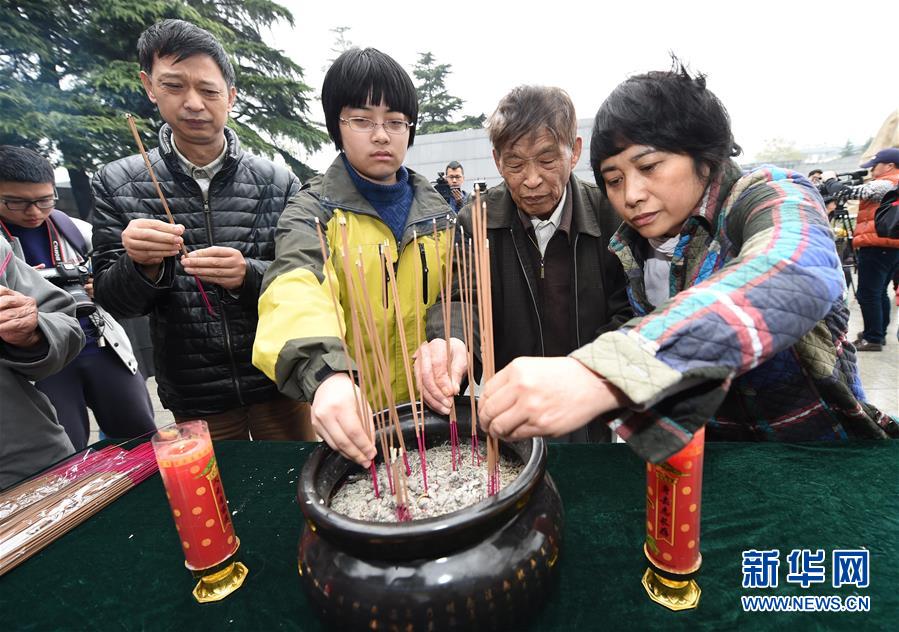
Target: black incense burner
(489, 566)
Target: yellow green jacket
(297, 340)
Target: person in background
(39, 335)
(455, 177)
(877, 257)
(104, 377)
(555, 283)
(371, 109)
(746, 333)
(226, 204)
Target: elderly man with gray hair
(555, 284)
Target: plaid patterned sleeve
(766, 275)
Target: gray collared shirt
(202, 175)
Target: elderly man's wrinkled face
(536, 169)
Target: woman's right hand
(335, 418)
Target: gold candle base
(673, 594)
(217, 586)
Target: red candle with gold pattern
(192, 484)
(673, 502)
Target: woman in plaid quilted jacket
(741, 325)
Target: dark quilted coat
(203, 361)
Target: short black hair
(19, 164)
(669, 110)
(360, 77)
(181, 39)
(454, 164)
(814, 171)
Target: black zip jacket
(599, 302)
(203, 361)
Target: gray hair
(528, 109)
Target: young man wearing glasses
(104, 377)
(380, 206)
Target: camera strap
(64, 224)
(55, 246)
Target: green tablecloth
(123, 569)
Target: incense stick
(341, 332)
(165, 205)
(410, 382)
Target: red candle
(192, 484)
(673, 501)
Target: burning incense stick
(165, 204)
(445, 285)
(485, 318)
(464, 272)
(381, 365)
(410, 382)
(341, 332)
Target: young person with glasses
(104, 377)
(371, 109)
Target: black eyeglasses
(20, 206)
(362, 124)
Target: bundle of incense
(31, 528)
(379, 387)
(361, 407)
(482, 281)
(463, 270)
(382, 367)
(33, 490)
(418, 420)
(165, 204)
(445, 282)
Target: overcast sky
(799, 71)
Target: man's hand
(89, 287)
(457, 194)
(18, 319)
(544, 397)
(336, 419)
(148, 241)
(220, 265)
(439, 379)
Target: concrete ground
(880, 373)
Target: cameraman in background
(104, 376)
(877, 257)
(455, 177)
(449, 185)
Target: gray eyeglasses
(362, 124)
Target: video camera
(837, 188)
(71, 277)
(443, 187)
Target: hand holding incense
(165, 205)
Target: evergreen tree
(341, 44)
(435, 105)
(69, 72)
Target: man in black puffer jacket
(226, 204)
